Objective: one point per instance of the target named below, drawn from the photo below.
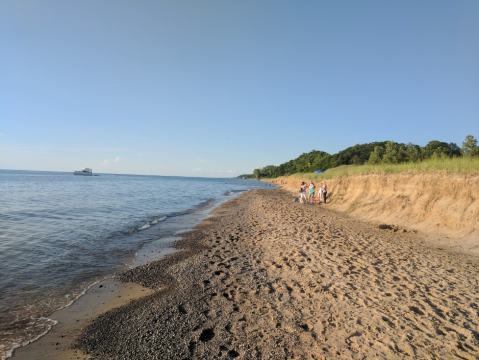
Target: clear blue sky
(218, 88)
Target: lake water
(60, 233)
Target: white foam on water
(83, 292)
(6, 353)
(144, 227)
(49, 323)
(156, 221)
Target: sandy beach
(268, 278)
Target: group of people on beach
(307, 193)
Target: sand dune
(441, 203)
(267, 278)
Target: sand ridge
(439, 203)
(267, 278)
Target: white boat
(84, 172)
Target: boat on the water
(85, 172)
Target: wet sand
(269, 278)
(101, 297)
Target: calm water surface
(60, 233)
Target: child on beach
(325, 191)
(311, 193)
(302, 190)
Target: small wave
(152, 222)
(231, 192)
(43, 323)
(204, 205)
(144, 227)
(156, 221)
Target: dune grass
(462, 165)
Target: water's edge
(98, 297)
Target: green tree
(320, 162)
(355, 160)
(440, 153)
(256, 174)
(376, 156)
(412, 153)
(345, 157)
(269, 171)
(401, 153)
(376, 152)
(469, 146)
(454, 150)
(449, 150)
(391, 153)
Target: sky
(218, 88)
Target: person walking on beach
(325, 191)
(302, 190)
(311, 192)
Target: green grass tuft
(463, 165)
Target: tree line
(385, 152)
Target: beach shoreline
(99, 298)
(107, 293)
(49, 263)
(269, 278)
